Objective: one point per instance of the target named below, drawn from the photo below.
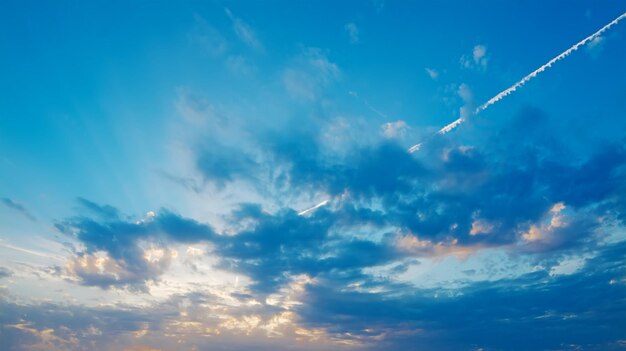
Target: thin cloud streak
(311, 209)
(31, 252)
(524, 80)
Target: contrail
(449, 127)
(523, 81)
(368, 105)
(31, 252)
(310, 209)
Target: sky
(240, 175)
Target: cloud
(19, 208)
(4, 273)
(501, 186)
(208, 37)
(342, 310)
(99, 269)
(443, 319)
(392, 130)
(115, 249)
(479, 53)
(595, 46)
(195, 109)
(240, 65)
(353, 32)
(432, 73)
(189, 321)
(244, 32)
(222, 164)
(103, 211)
(478, 59)
(379, 5)
(311, 72)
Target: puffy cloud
(185, 322)
(595, 46)
(478, 59)
(502, 185)
(116, 251)
(447, 319)
(394, 130)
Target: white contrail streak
(31, 252)
(524, 80)
(561, 56)
(310, 209)
(373, 109)
(449, 127)
(367, 104)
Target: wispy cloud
(432, 73)
(19, 208)
(478, 59)
(31, 252)
(353, 32)
(310, 73)
(244, 32)
(208, 37)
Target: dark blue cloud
(535, 311)
(4, 273)
(19, 208)
(221, 165)
(103, 211)
(511, 180)
(285, 244)
(120, 238)
(510, 184)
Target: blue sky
(213, 175)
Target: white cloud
(432, 73)
(353, 32)
(208, 37)
(465, 93)
(568, 266)
(478, 59)
(393, 130)
(595, 46)
(239, 65)
(193, 108)
(480, 51)
(311, 72)
(481, 226)
(467, 96)
(379, 5)
(244, 32)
